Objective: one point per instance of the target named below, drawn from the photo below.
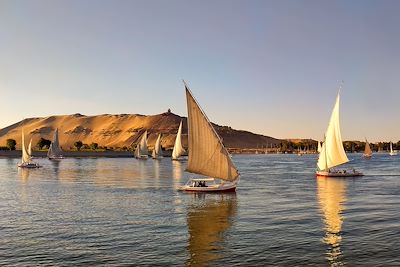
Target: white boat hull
(342, 173)
(56, 158)
(192, 186)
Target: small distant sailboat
(141, 151)
(55, 151)
(332, 151)
(207, 154)
(392, 152)
(157, 151)
(367, 152)
(27, 155)
(319, 147)
(178, 150)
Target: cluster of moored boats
(142, 151)
(208, 156)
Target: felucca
(207, 154)
(332, 151)
(392, 152)
(157, 151)
(141, 151)
(55, 151)
(178, 150)
(367, 152)
(26, 161)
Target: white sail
(367, 151)
(207, 154)
(143, 145)
(25, 155)
(54, 149)
(319, 147)
(332, 152)
(178, 148)
(157, 152)
(137, 151)
(392, 152)
(50, 151)
(30, 148)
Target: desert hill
(123, 130)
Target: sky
(270, 67)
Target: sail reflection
(24, 173)
(331, 197)
(209, 218)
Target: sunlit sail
(319, 147)
(142, 151)
(332, 151)
(392, 152)
(178, 150)
(207, 154)
(26, 161)
(157, 151)
(367, 151)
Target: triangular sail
(137, 151)
(319, 147)
(178, 148)
(25, 155)
(207, 154)
(332, 152)
(30, 148)
(391, 147)
(50, 151)
(54, 149)
(157, 152)
(367, 151)
(143, 145)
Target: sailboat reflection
(24, 173)
(208, 219)
(56, 167)
(332, 196)
(177, 173)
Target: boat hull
(210, 189)
(142, 157)
(208, 185)
(366, 156)
(29, 165)
(55, 158)
(344, 173)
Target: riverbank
(71, 154)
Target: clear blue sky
(271, 67)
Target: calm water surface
(120, 212)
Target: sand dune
(120, 130)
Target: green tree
(94, 146)
(11, 143)
(43, 142)
(78, 145)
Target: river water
(122, 211)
